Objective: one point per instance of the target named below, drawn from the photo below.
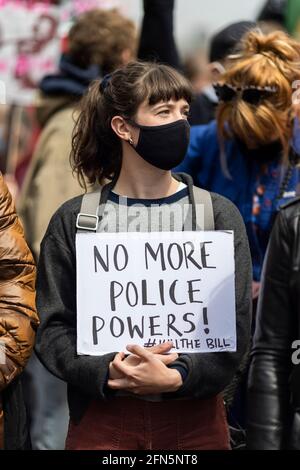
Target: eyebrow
(163, 105)
(168, 105)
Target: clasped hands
(145, 370)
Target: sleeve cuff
(182, 371)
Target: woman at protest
(274, 378)
(132, 129)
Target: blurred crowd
(244, 145)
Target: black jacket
(208, 374)
(16, 436)
(274, 380)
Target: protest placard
(146, 288)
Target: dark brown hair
(99, 37)
(96, 149)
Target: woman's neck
(140, 180)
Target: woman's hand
(150, 376)
(159, 350)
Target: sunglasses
(251, 94)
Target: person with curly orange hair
(250, 152)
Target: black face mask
(264, 153)
(163, 146)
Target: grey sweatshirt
(207, 373)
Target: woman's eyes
(185, 113)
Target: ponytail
(96, 149)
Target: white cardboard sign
(147, 288)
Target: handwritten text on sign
(147, 288)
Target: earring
(130, 141)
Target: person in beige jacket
(98, 42)
(49, 180)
